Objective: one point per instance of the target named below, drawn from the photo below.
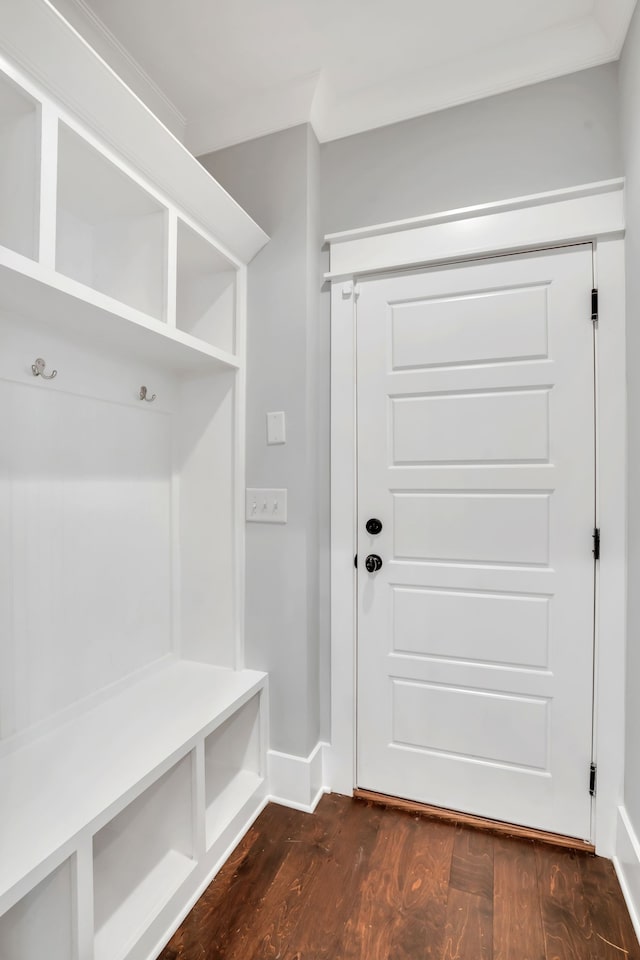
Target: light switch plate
(266, 505)
(276, 428)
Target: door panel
(439, 623)
(476, 450)
(501, 427)
(458, 527)
(480, 328)
(472, 723)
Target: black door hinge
(596, 543)
(594, 305)
(592, 780)
(355, 561)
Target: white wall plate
(266, 505)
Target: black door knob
(374, 526)
(373, 562)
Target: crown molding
(88, 24)
(614, 19)
(269, 111)
(333, 113)
(462, 81)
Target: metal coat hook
(143, 395)
(38, 369)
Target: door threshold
(469, 820)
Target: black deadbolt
(374, 526)
(373, 562)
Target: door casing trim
(593, 213)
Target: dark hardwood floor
(356, 881)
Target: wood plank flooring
(356, 881)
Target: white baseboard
(297, 782)
(627, 864)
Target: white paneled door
(476, 453)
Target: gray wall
(271, 178)
(630, 116)
(551, 135)
(544, 137)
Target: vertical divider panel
(41, 924)
(199, 803)
(239, 465)
(234, 767)
(176, 566)
(48, 185)
(205, 435)
(19, 167)
(82, 899)
(171, 273)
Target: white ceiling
(221, 72)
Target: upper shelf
(110, 233)
(33, 33)
(94, 318)
(99, 253)
(206, 290)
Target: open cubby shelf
(93, 318)
(140, 859)
(19, 163)
(110, 233)
(132, 739)
(233, 766)
(206, 291)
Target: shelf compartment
(98, 320)
(69, 779)
(19, 169)
(110, 233)
(40, 925)
(206, 291)
(141, 858)
(233, 767)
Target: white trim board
(84, 19)
(627, 864)
(560, 217)
(297, 782)
(593, 213)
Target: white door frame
(592, 213)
